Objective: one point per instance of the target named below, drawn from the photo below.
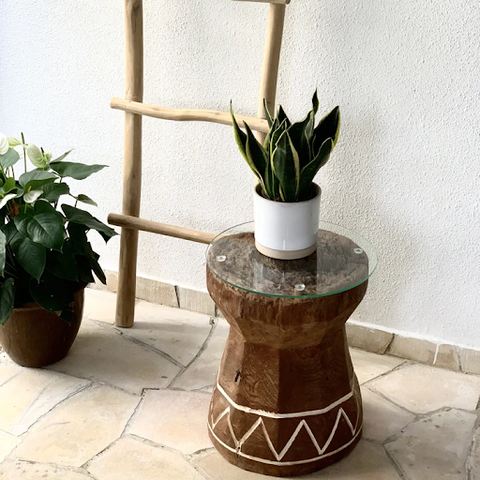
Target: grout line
(11, 378)
(401, 407)
(177, 295)
(49, 464)
(395, 465)
(402, 365)
(133, 417)
(202, 349)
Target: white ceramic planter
(286, 231)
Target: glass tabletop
(343, 260)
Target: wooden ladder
(134, 109)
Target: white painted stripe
(263, 413)
(278, 463)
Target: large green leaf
(40, 175)
(76, 215)
(309, 171)
(52, 293)
(9, 159)
(84, 269)
(98, 269)
(44, 226)
(7, 300)
(3, 252)
(78, 239)
(63, 264)
(30, 255)
(328, 127)
(286, 166)
(78, 171)
(53, 191)
(85, 199)
(61, 157)
(9, 185)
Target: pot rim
(317, 188)
(36, 306)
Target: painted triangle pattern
(303, 424)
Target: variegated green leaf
(328, 127)
(309, 171)
(286, 166)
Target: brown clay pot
(33, 337)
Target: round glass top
(342, 261)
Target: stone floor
(132, 405)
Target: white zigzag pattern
(303, 424)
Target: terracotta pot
(33, 337)
(286, 231)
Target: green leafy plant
(292, 153)
(45, 255)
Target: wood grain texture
(287, 358)
(271, 61)
(187, 115)
(132, 163)
(135, 223)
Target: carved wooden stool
(287, 401)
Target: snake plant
(291, 154)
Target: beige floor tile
(80, 428)
(473, 463)
(7, 443)
(100, 353)
(370, 365)
(131, 459)
(175, 419)
(435, 447)
(423, 389)
(381, 419)
(202, 372)
(8, 371)
(100, 305)
(366, 462)
(31, 394)
(19, 470)
(178, 333)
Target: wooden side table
(287, 401)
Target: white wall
(405, 173)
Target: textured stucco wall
(405, 173)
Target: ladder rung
(275, 2)
(134, 223)
(212, 116)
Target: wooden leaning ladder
(134, 109)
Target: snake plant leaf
(7, 300)
(309, 171)
(77, 171)
(301, 135)
(286, 166)
(268, 116)
(3, 252)
(315, 102)
(44, 226)
(328, 127)
(9, 159)
(257, 157)
(282, 116)
(241, 140)
(30, 255)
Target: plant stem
(24, 153)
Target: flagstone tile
(473, 462)
(19, 470)
(366, 462)
(381, 419)
(101, 354)
(100, 305)
(370, 365)
(175, 419)
(435, 447)
(178, 333)
(7, 443)
(423, 389)
(8, 371)
(32, 393)
(203, 371)
(80, 428)
(131, 459)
